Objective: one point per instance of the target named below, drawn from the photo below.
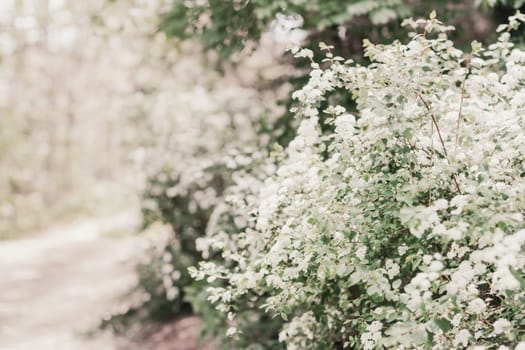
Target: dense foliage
(234, 25)
(195, 127)
(229, 26)
(393, 218)
(404, 227)
(234, 29)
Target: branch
(467, 68)
(434, 121)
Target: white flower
(462, 338)
(345, 126)
(501, 325)
(402, 249)
(231, 331)
(441, 204)
(369, 339)
(476, 306)
(520, 346)
(361, 252)
(375, 326)
(392, 268)
(456, 320)
(305, 53)
(435, 266)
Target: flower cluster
(399, 224)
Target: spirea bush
(199, 129)
(402, 225)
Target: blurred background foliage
(64, 138)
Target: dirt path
(57, 285)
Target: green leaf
(443, 324)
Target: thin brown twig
(431, 159)
(467, 68)
(434, 121)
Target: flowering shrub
(162, 275)
(199, 129)
(402, 227)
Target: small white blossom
(520, 346)
(231, 331)
(501, 325)
(476, 306)
(462, 338)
